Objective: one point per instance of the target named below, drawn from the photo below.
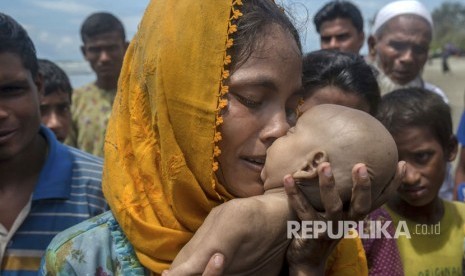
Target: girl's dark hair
(257, 16)
(416, 107)
(347, 71)
(14, 39)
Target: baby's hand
(214, 267)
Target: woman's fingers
(361, 203)
(298, 201)
(393, 185)
(329, 195)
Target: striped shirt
(68, 191)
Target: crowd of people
(195, 147)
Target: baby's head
(337, 134)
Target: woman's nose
(276, 126)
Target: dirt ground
(452, 83)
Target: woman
(205, 89)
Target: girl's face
(263, 96)
(426, 165)
(335, 95)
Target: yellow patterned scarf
(158, 174)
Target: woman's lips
(255, 163)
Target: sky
(54, 25)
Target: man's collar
(55, 176)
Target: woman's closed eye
(291, 115)
(247, 101)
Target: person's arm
(220, 232)
(233, 229)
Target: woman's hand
(308, 256)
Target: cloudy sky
(54, 24)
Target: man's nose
(407, 56)
(53, 121)
(3, 113)
(104, 55)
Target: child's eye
(63, 108)
(423, 157)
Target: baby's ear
(314, 159)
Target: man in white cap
(398, 48)
(399, 44)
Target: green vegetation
(449, 26)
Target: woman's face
(263, 95)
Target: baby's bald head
(340, 135)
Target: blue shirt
(461, 130)
(68, 191)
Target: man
(104, 46)
(45, 186)
(399, 45)
(55, 102)
(340, 25)
(398, 48)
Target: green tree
(449, 25)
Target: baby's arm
(224, 230)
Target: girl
(421, 124)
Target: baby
(257, 246)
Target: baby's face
(342, 136)
(290, 153)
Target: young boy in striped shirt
(45, 186)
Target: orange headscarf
(159, 168)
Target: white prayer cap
(396, 8)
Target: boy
(45, 187)
(300, 152)
(104, 46)
(421, 124)
(56, 99)
(340, 26)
